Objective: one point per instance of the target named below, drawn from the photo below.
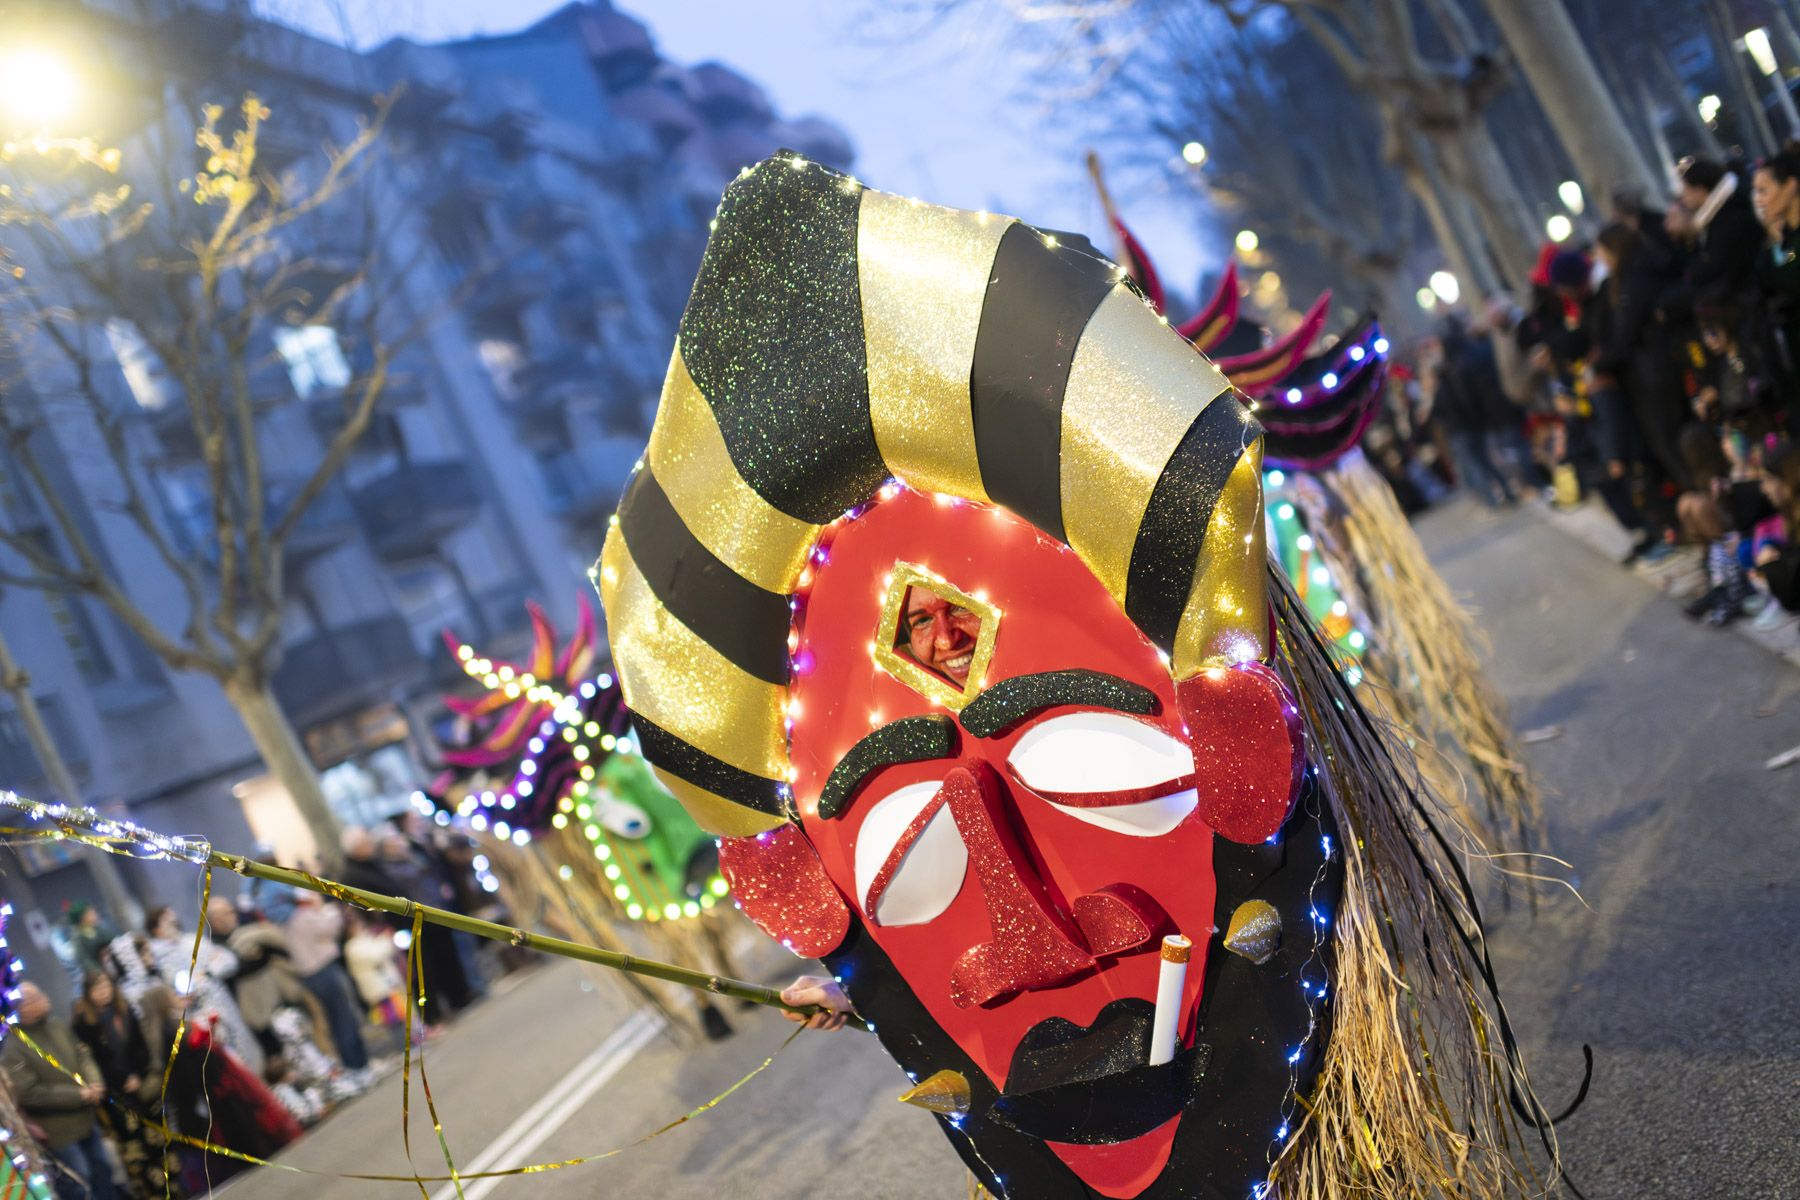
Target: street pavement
(1680, 969)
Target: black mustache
(1091, 1085)
(1058, 1051)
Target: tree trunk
(1469, 269)
(1759, 135)
(1706, 142)
(1500, 207)
(126, 912)
(287, 760)
(1549, 51)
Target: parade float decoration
(1362, 570)
(542, 766)
(942, 596)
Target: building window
(143, 373)
(313, 357)
(74, 624)
(431, 602)
(371, 787)
(505, 362)
(188, 505)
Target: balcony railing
(339, 669)
(584, 483)
(19, 764)
(407, 513)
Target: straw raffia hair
(1423, 1091)
(1427, 651)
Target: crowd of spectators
(1656, 367)
(279, 1002)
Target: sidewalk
(1675, 576)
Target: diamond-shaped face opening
(934, 637)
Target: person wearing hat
(88, 934)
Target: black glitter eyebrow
(910, 739)
(1012, 700)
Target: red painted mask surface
(1059, 905)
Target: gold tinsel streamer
(67, 830)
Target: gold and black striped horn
(838, 337)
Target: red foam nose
(1033, 945)
(1249, 748)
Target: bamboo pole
(618, 960)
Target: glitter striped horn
(840, 337)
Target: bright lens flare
(1558, 228)
(37, 88)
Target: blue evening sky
(940, 117)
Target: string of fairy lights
(570, 729)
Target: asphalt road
(1681, 972)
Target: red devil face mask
(1012, 807)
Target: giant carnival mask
(941, 597)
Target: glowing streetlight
(1757, 43)
(1709, 106)
(1194, 154)
(38, 88)
(1445, 285)
(1427, 298)
(1247, 241)
(1558, 228)
(1569, 192)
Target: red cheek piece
(778, 881)
(1117, 918)
(1031, 947)
(1249, 749)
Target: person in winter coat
(132, 1071)
(1727, 238)
(1632, 348)
(1778, 565)
(1472, 407)
(63, 1109)
(1776, 196)
(314, 931)
(172, 952)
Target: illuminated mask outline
(839, 339)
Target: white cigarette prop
(1167, 1029)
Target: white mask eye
(931, 869)
(1095, 754)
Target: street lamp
(38, 88)
(1569, 192)
(1194, 154)
(1247, 241)
(1558, 228)
(1445, 285)
(1757, 43)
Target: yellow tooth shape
(946, 1092)
(1255, 931)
